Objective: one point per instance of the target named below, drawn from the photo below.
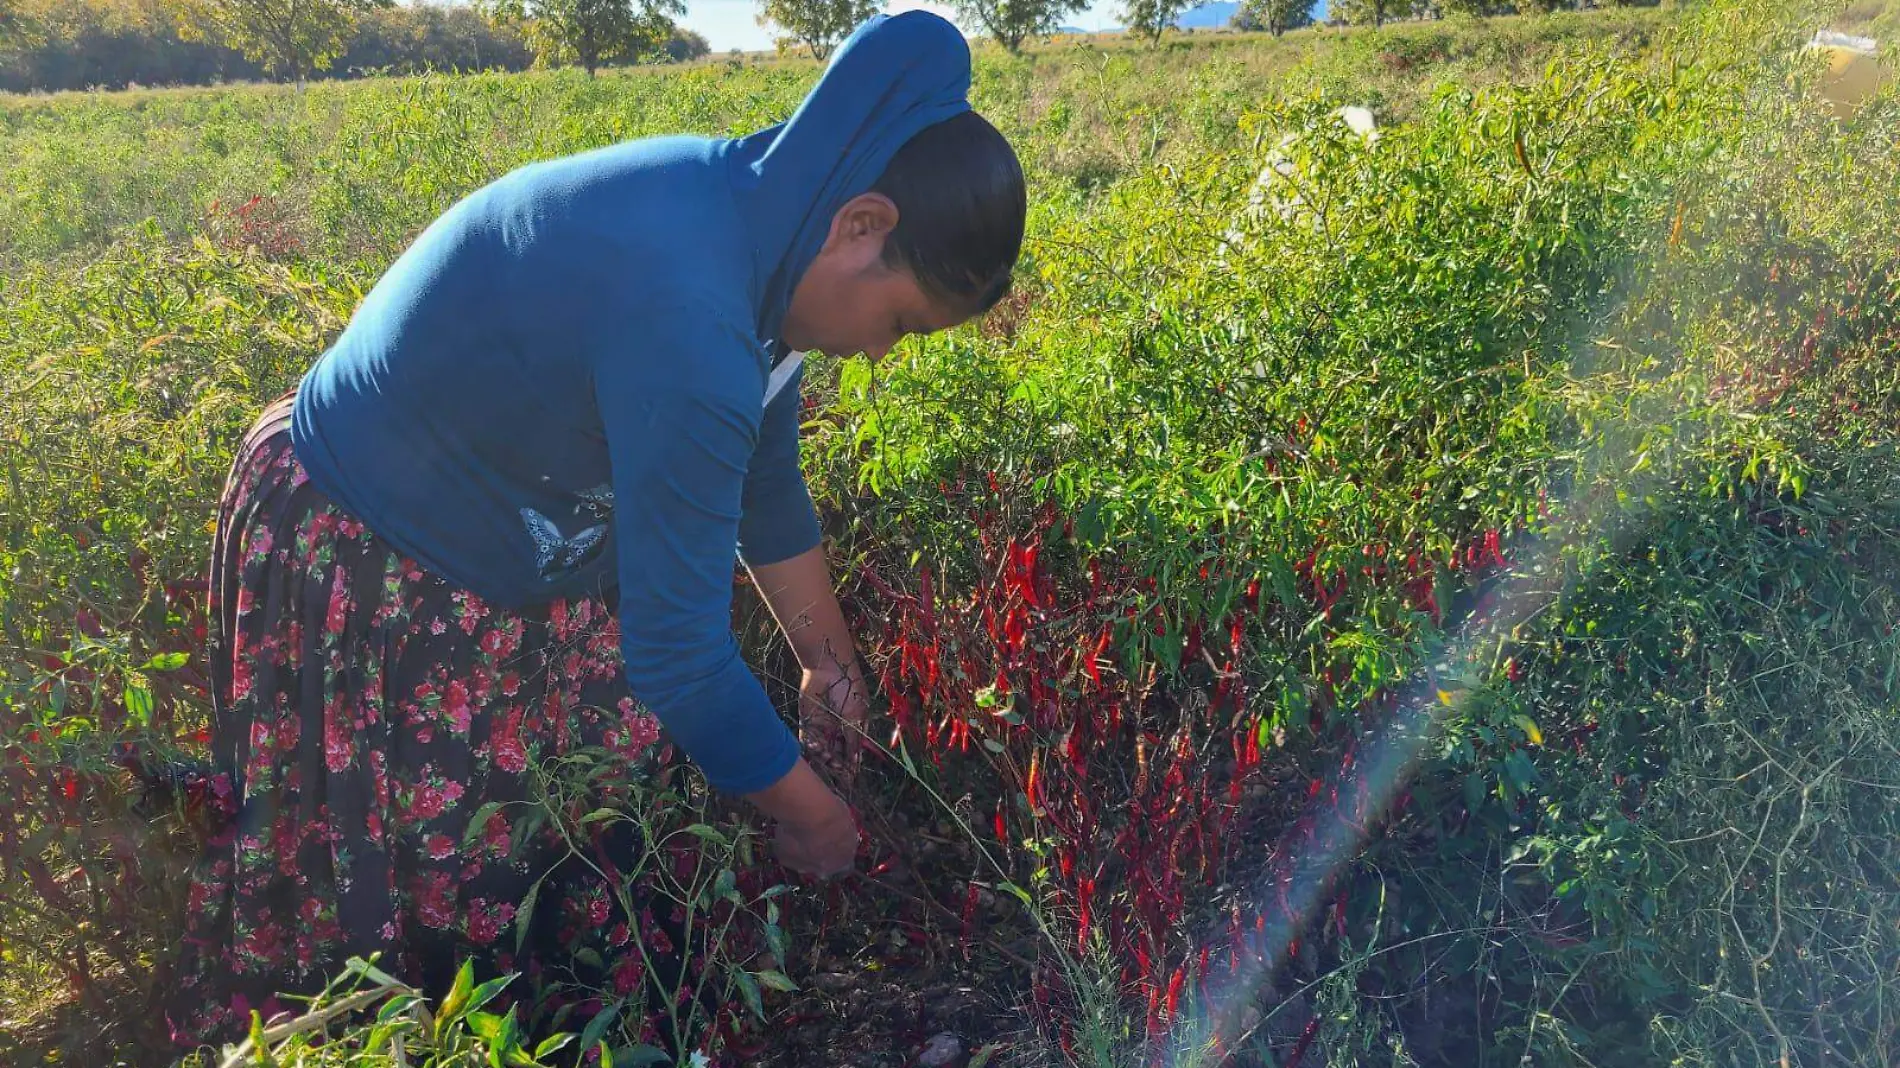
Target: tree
(817, 24)
(289, 38)
(1010, 22)
(685, 45)
(1151, 18)
(1274, 16)
(427, 36)
(10, 23)
(589, 32)
(1363, 12)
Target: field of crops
(1437, 611)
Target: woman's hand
(823, 848)
(817, 834)
(833, 709)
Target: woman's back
(458, 414)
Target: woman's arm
(799, 593)
(678, 437)
(833, 703)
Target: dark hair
(960, 202)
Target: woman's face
(850, 301)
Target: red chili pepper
(1091, 663)
(1014, 629)
(1306, 1039)
(1085, 898)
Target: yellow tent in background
(1854, 70)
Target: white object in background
(1269, 190)
(1359, 121)
(1854, 70)
(1832, 39)
(782, 374)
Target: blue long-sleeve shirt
(559, 387)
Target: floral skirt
(383, 730)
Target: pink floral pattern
(368, 714)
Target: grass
(1476, 578)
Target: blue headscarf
(895, 76)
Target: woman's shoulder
(663, 192)
(649, 222)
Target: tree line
(112, 44)
(818, 25)
(77, 44)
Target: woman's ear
(863, 222)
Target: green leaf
(706, 833)
(359, 966)
(640, 1056)
(749, 989)
(778, 981)
(524, 914)
(596, 1027)
(395, 1007)
(379, 1036)
(507, 1041)
(486, 992)
(457, 1001)
(1523, 773)
(166, 662)
(553, 1044)
(478, 823)
(138, 704)
(1529, 726)
(982, 1056)
(599, 814)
